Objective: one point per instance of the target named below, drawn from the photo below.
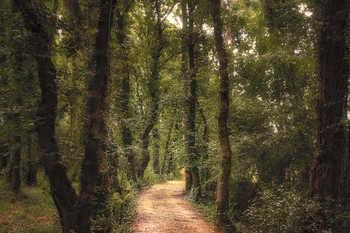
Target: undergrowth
(30, 211)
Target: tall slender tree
(190, 73)
(222, 199)
(157, 46)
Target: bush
(119, 208)
(281, 209)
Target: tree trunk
(32, 165)
(166, 158)
(204, 147)
(190, 138)
(331, 144)
(153, 88)
(14, 175)
(156, 139)
(188, 180)
(124, 97)
(184, 69)
(62, 191)
(96, 113)
(222, 199)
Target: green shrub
(281, 209)
(119, 208)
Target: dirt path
(162, 208)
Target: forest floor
(163, 208)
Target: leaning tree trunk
(62, 191)
(222, 199)
(333, 77)
(153, 88)
(96, 113)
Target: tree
(222, 199)
(62, 191)
(124, 98)
(190, 72)
(156, 47)
(156, 140)
(96, 112)
(73, 211)
(32, 166)
(333, 75)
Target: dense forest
(247, 98)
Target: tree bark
(96, 113)
(331, 144)
(124, 97)
(153, 88)
(191, 101)
(166, 158)
(188, 179)
(62, 191)
(184, 70)
(204, 147)
(190, 74)
(222, 198)
(156, 139)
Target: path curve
(162, 208)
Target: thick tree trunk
(153, 88)
(32, 164)
(188, 179)
(222, 199)
(333, 76)
(62, 191)
(14, 175)
(124, 97)
(191, 101)
(96, 112)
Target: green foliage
(284, 209)
(119, 209)
(152, 178)
(271, 46)
(32, 211)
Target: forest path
(162, 208)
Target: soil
(163, 208)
